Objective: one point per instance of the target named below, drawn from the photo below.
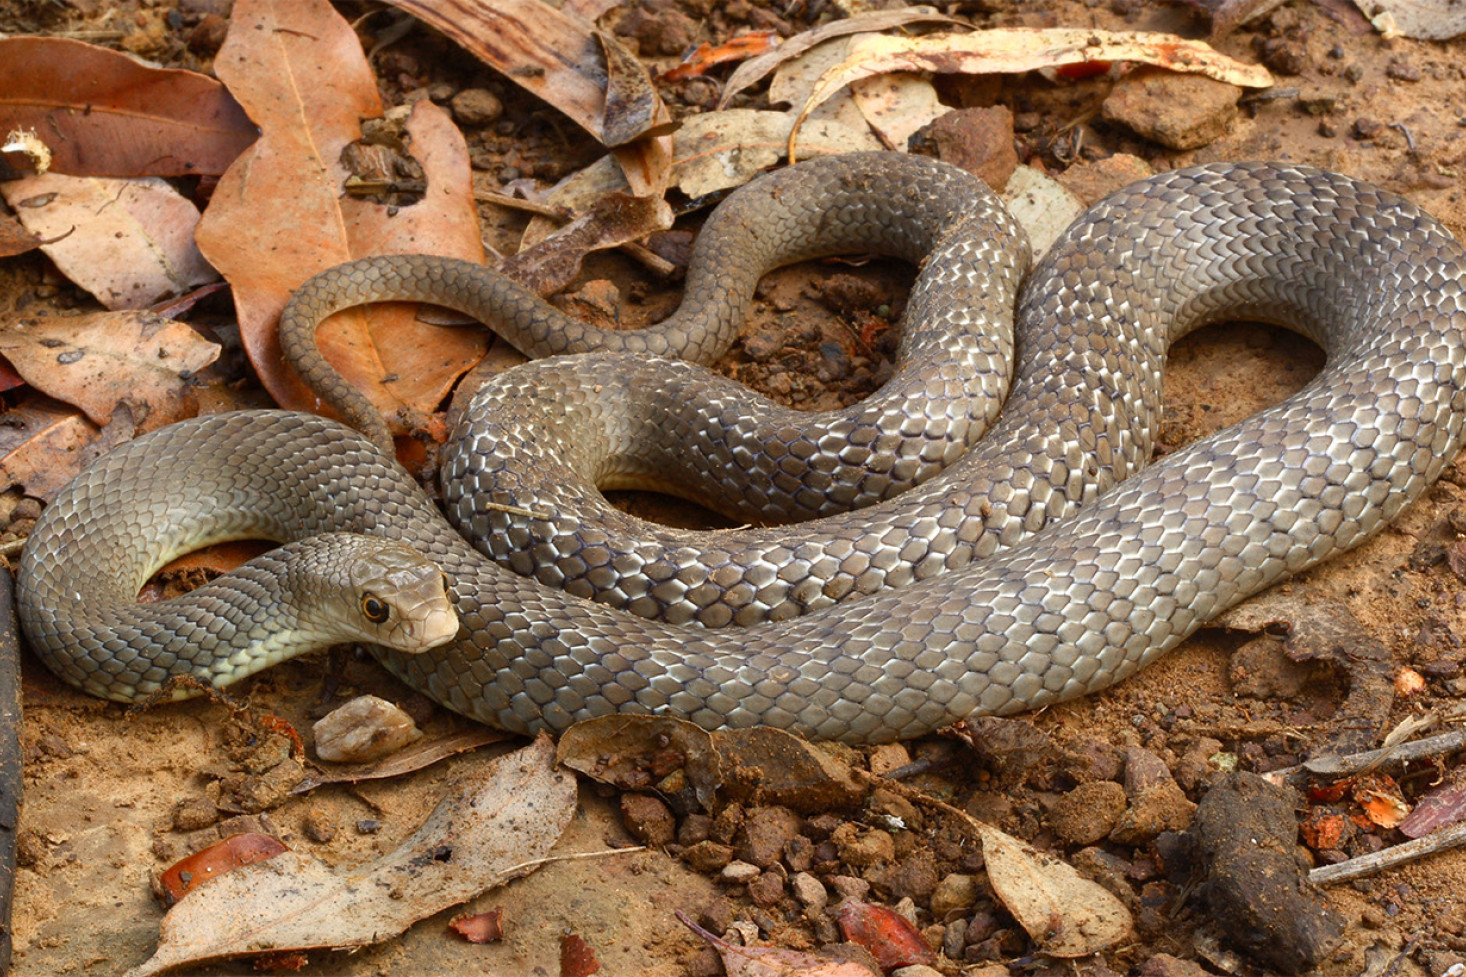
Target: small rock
(979, 140)
(766, 890)
(810, 892)
(366, 728)
(766, 833)
(476, 107)
(850, 887)
(916, 970)
(318, 826)
(193, 813)
(1091, 182)
(694, 828)
(1163, 807)
(648, 819)
(888, 757)
(368, 826)
(739, 872)
(1088, 813)
(1261, 669)
(954, 893)
(1177, 111)
(707, 856)
(954, 938)
(1402, 71)
(1366, 128)
(861, 848)
(1165, 965)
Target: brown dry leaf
(659, 753)
(14, 238)
(890, 937)
(416, 756)
(880, 20)
(104, 114)
(1013, 50)
(616, 219)
(278, 216)
(585, 73)
(43, 444)
(1440, 807)
(102, 360)
(128, 242)
(577, 959)
(773, 766)
(1430, 20)
(486, 833)
(558, 58)
(705, 56)
(718, 150)
(1065, 914)
(765, 961)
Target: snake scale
(1042, 564)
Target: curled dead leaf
(494, 828)
(208, 864)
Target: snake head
(382, 591)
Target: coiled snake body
(1110, 576)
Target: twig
(1340, 766)
(537, 862)
(1436, 841)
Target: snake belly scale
(1114, 573)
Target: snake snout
(400, 598)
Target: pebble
(364, 729)
(1087, 813)
(810, 892)
(648, 819)
(739, 872)
(767, 831)
(476, 107)
(1177, 111)
(849, 887)
(953, 893)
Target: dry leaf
(554, 261)
(14, 238)
(705, 56)
(897, 105)
(1430, 20)
(210, 863)
(880, 20)
(764, 961)
(1065, 914)
(719, 150)
(1440, 807)
(892, 938)
(557, 58)
(102, 360)
(102, 113)
(577, 959)
(278, 216)
(485, 927)
(128, 242)
(644, 753)
(43, 444)
(416, 756)
(1013, 50)
(485, 834)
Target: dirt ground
(103, 789)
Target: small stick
(1441, 840)
(1340, 766)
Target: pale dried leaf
(720, 150)
(644, 753)
(1043, 205)
(755, 68)
(1430, 20)
(1014, 50)
(765, 961)
(897, 105)
(617, 219)
(105, 359)
(128, 242)
(482, 836)
(1065, 914)
(794, 80)
(416, 756)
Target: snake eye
(375, 609)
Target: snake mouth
(436, 626)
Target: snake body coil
(1112, 575)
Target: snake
(1068, 565)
